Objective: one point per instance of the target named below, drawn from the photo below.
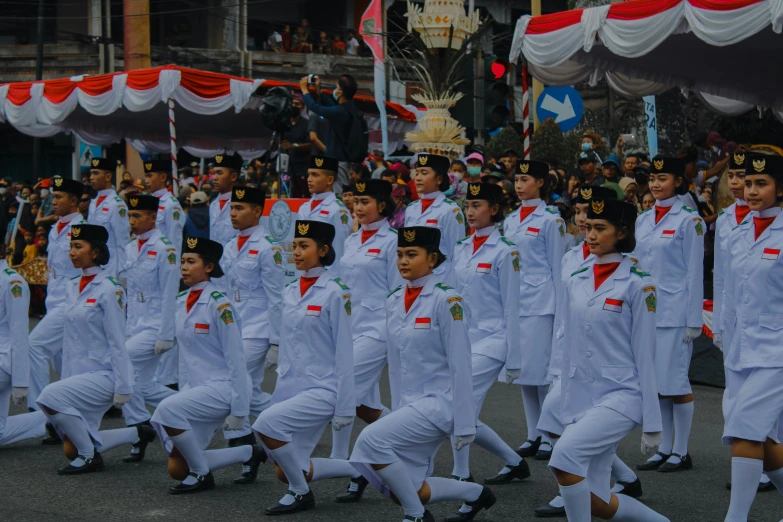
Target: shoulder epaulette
(444, 287)
(393, 230)
(116, 283)
(638, 271)
(77, 277)
(340, 283)
(118, 199)
(182, 293)
(688, 209)
(721, 213)
(270, 239)
(165, 240)
(217, 296)
(447, 200)
(552, 211)
(507, 241)
(340, 203)
(580, 271)
(292, 282)
(463, 240)
(417, 202)
(393, 292)
(10, 271)
(743, 223)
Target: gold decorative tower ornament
(434, 23)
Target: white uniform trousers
(167, 372)
(147, 391)
(299, 421)
(588, 446)
(754, 405)
(87, 396)
(405, 435)
(255, 355)
(672, 361)
(202, 409)
(369, 358)
(17, 427)
(46, 343)
(485, 372)
(550, 421)
(536, 334)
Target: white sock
(113, 438)
(532, 411)
(220, 458)
(461, 467)
(396, 478)
(488, 439)
(443, 490)
(286, 458)
(332, 468)
(384, 412)
(576, 500)
(76, 431)
(556, 502)
(764, 479)
(621, 471)
(667, 414)
(341, 441)
(631, 510)
(745, 476)
(683, 419)
(191, 451)
(777, 478)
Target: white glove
(691, 334)
(460, 441)
(162, 347)
(271, 357)
(19, 395)
(339, 423)
(650, 442)
(234, 423)
(512, 375)
(120, 399)
(717, 340)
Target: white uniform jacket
(112, 214)
(727, 221)
(673, 251)
(254, 282)
(540, 239)
(609, 348)
(430, 365)
(331, 210)
(755, 287)
(317, 351)
(152, 280)
(370, 271)
(171, 219)
(210, 346)
(488, 280)
(94, 337)
(445, 215)
(220, 227)
(14, 345)
(61, 268)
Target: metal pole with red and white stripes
(173, 141)
(526, 112)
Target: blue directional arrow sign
(562, 104)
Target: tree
(504, 140)
(549, 141)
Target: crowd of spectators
(305, 39)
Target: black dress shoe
(354, 492)
(256, 459)
(301, 503)
(763, 486)
(174, 386)
(91, 465)
(426, 518)
(460, 479)
(53, 438)
(146, 435)
(485, 501)
(549, 511)
(631, 489)
(652, 465)
(203, 482)
(521, 472)
(544, 451)
(531, 450)
(113, 413)
(685, 463)
(244, 440)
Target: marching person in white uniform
(46, 339)
(539, 233)
(14, 359)
(226, 175)
(607, 376)
(97, 372)
(754, 363)
(369, 268)
(151, 273)
(254, 265)
(433, 209)
(671, 246)
(431, 385)
(323, 204)
(315, 382)
(109, 211)
(214, 384)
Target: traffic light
(496, 94)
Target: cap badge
(148, 166)
(240, 194)
(658, 164)
(586, 193)
(423, 160)
(410, 235)
(75, 231)
(524, 167)
(58, 182)
(739, 159)
(475, 189)
(95, 162)
(360, 187)
(218, 159)
(598, 206)
(319, 162)
(303, 228)
(134, 202)
(192, 242)
(759, 164)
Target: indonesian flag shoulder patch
(201, 328)
(422, 323)
(313, 310)
(373, 252)
(771, 253)
(613, 305)
(432, 223)
(668, 234)
(91, 302)
(532, 231)
(484, 268)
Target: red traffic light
(499, 69)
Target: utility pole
(538, 87)
(38, 76)
(136, 52)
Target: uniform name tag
(373, 252)
(202, 328)
(313, 310)
(770, 253)
(152, 255)
(432, 223)
(532, 231)
(252, 254)
(90, 302)
(613, 305)
(484, 268)
(667, 234)
(324, 213)
(422, 323)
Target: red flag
(371, 28)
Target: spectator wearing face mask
(297, 145)
(474, 162)
(45, 215)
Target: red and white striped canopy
(725, 50)
(214, 112)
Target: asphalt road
(32, 491)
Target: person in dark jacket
(197, 222)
